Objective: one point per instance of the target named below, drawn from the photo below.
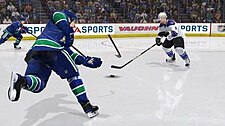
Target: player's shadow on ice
(171, 66)
(54, 112)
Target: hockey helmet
(22, 19)
(162, 15)
(70, 15)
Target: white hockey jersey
(172, 28)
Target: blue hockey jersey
(15, 28)
(56, 33)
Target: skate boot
(17, 82)
(17, 47)
(187, 62)
(171, 59)
(90, 110)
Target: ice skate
(90, 110)
(187, 62)
(16, 83)
(171, 59)
(17, 47)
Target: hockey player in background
(51, 52)
(14, 30)
(174, 37)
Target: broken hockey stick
(117, 50)
(71, 46)
(119, 67)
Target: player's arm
(162, 32)
(92, 62)
(61, 22)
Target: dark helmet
(70, 15)
(22, 19)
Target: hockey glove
(163, 34)
(158, 41)
(92, 62)
(69, 40)
(24, 29)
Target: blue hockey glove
(24, 29)
(158, 41)
(92, 62)
(163, 34)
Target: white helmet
(162, 15)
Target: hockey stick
(119, 67)
(32, 35)
(71, 46)
(117, 55)
(78, 51)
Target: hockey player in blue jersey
(14, 30)
(174, 37)
(51, 52)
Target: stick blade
(118, 56)
(116, 67)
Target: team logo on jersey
(221, 28)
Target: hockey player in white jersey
(174, 37)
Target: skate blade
(170, 61)
(12, 91)
(17, 48)
(92, 114)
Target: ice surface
(147, 92)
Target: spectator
(10, 7)
(209, 16)
(25, 14)
(34, 14)
(35, 20)
(7, 20)
(15, 15)
(28, 8)
(218, 17)
(5, 13)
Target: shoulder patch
(170, 22)
(58, 16)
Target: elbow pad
(163, 34)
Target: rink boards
(130, 30)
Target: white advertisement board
(132, 29)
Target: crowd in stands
(140, 11)
(119, 11)
(12, 10)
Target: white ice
(147, 92)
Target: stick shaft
(78, 51)
(117, 50)
(119, 67)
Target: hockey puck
(111, 75)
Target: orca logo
(221, 28)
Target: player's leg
(17, 82)
(65, 67)
(17, 42)
(35, 79)
(168, 50)
(179, 48)
(79, 91)
(5, 36)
